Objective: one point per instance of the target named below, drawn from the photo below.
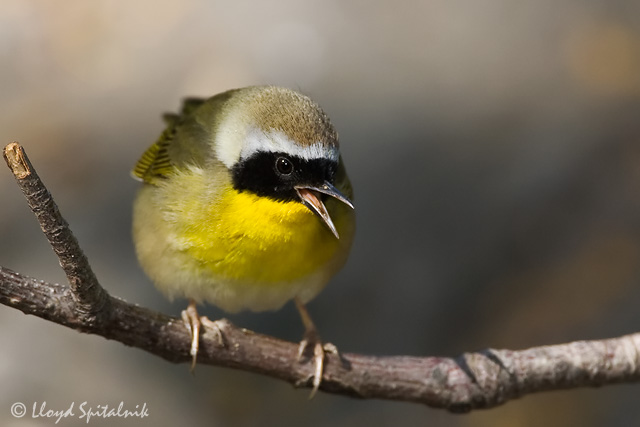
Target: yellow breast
(251, 238)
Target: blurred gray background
(495, 152)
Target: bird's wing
(155, 162)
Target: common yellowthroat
(245, 204)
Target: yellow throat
(245, 237)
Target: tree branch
(89, 296)
(473, 380)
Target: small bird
(245, 204)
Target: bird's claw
(311, 339)
(194, 324)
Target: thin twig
(89, 296)
(473, 380)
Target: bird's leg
(311, 338)
(192, 322)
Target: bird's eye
(284, 166)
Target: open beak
(311, 199)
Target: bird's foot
(312, 342)
(194, 324)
